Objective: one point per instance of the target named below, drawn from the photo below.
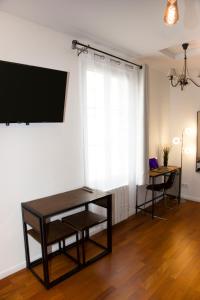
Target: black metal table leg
(109, 223)
(153, 197)
(179, 192)
(27, 253)
(87, 234)
(136, 206)
(44, 252)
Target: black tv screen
(30, 94)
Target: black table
(153, 174)
(35, 214)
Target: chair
(159, 187)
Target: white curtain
(113, 112)
(143, 128)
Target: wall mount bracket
(80, 50)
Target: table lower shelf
(61, 266)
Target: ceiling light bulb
(172, 72)
(171, 15)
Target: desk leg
(109, 223)
(44, 252)
(26, 245)
(180, 180)
(153, 196)
(27, 253)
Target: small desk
(153, 174)
(35, 213)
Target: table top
(55, 204)
(162, 171)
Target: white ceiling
(134, 27)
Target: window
(109, 108)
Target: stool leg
(87, 230)
(166, 202)
(77, 249)
(145, 199)
(64, 245)
(60, 248)
(83, 245)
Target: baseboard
(131, 212)
(12, 270)
(16, 268)
(192, 198)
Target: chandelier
(171, 14)
(184, 78)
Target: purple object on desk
(153, 163)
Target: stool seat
(84, 220)
(55, 231)
(156, 187)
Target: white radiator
(120, 208)
(120, 204)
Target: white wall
(44, 159)
(39, 159)
(170, 111)
(158, 112)
(183, 113)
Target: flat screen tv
(30, 94)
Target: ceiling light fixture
(184, 78)
(171, 14)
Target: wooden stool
(82, 221)
(57, 231)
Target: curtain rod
(75, 43)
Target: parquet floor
(151, 260)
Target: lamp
(177, 140)
(184, 78)
(187, 150)
(171, 14)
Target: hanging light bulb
(171, 15)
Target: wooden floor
(150, 260)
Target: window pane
(107, 111)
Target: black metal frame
(85, 237)
(154, 197)
(45, 256)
